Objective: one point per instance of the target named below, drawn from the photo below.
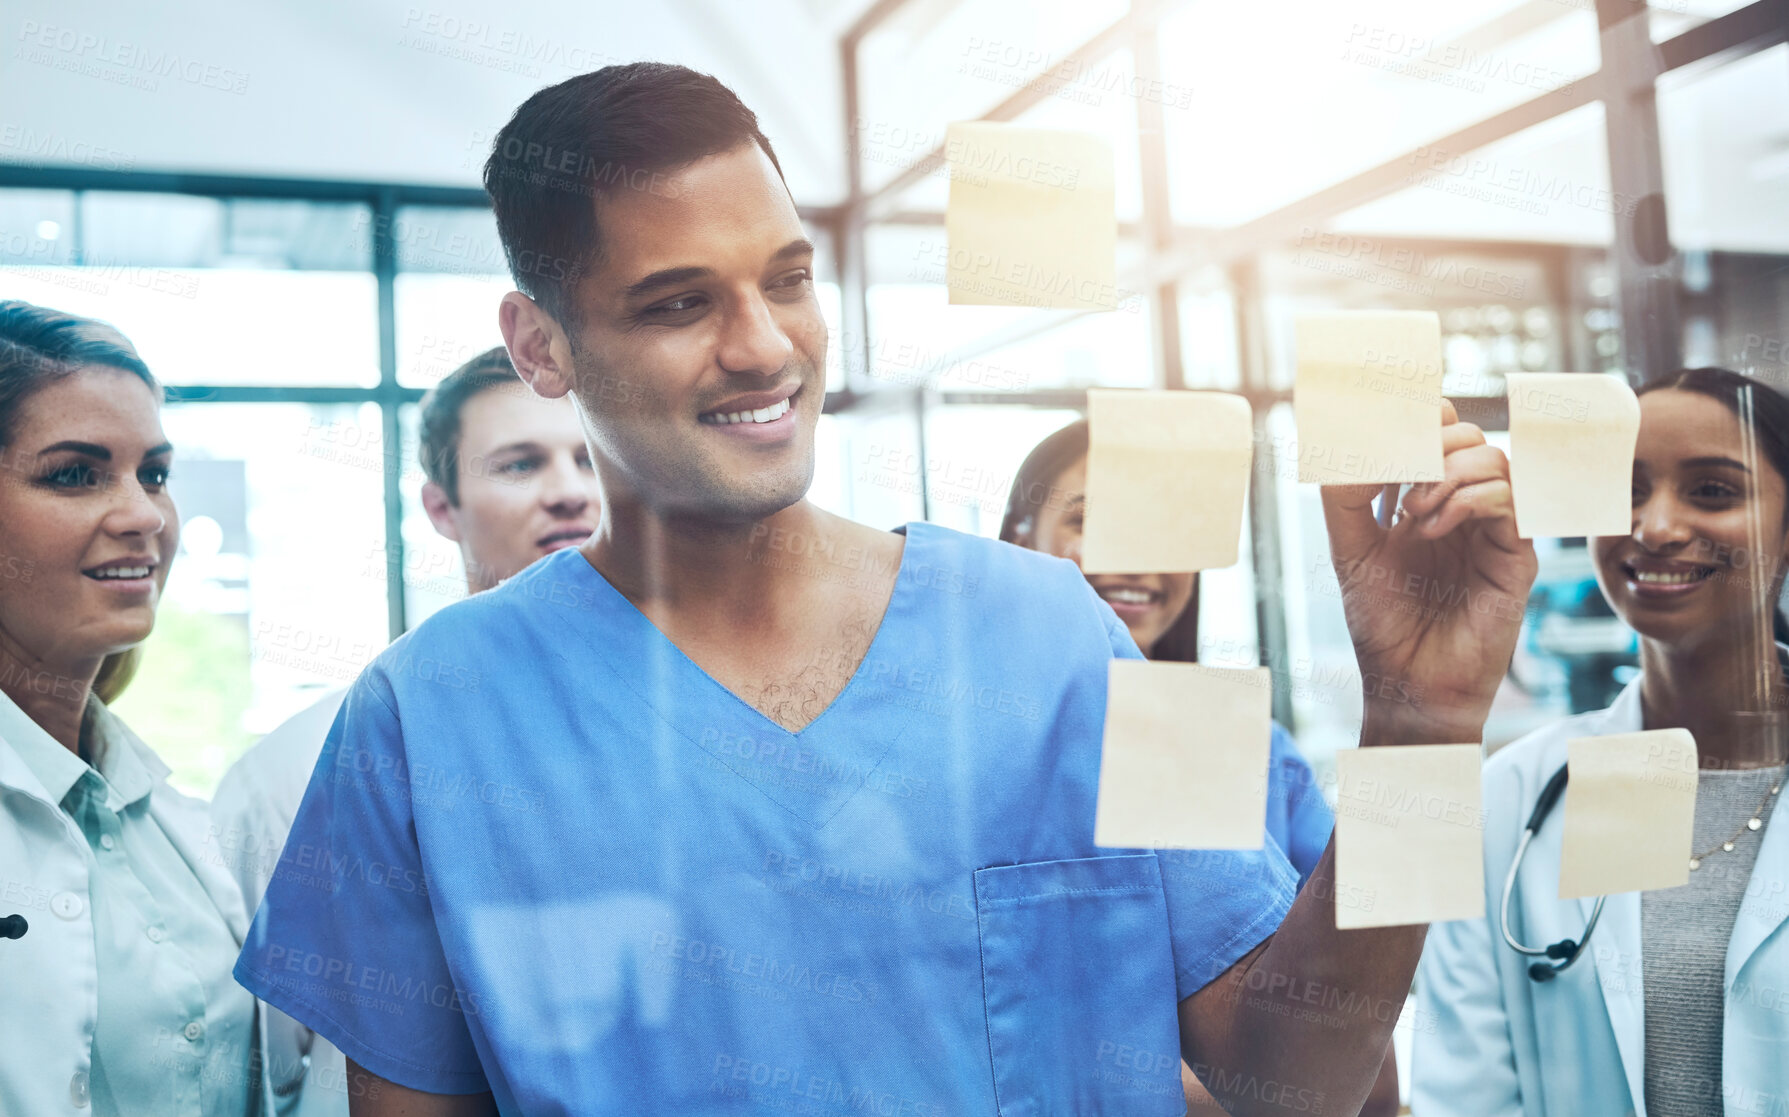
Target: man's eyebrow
(668, 277)
(800, 246)
(1716, 460)
(673, 277)
(526, 445)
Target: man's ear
(442, 514)
(538, 347)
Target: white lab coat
(251, 814)
(1491, 1042)
(49, 979)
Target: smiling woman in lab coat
(1680, 1003)
(118, 997)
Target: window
(211, 292)
(1670, 18)
(935, 63)
(973, 454)
(451, 275)
(1727, 185)
(1284, 99)
(279, 590)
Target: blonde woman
(118, 994)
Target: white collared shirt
(124, 973)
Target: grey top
(1683, 946)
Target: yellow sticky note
(1167, 476)
(1409, 836)
(1630, 813)
(1184, 764)
(1031, 219)
(1368, 397)
(1571, 453)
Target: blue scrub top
(544, 854)
(1298, 817)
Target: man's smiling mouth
(756, 415)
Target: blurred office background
(279, 204)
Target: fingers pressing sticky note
(1167, 476)
(1630, 813)
(1409, 836)
(1184, 764)
(1031, 219)
(1368, 397)
(1571, 453)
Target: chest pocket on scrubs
(1078, 983)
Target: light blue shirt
(546, 855)
(1298, 817)
(173, 1031)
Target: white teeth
(123, 572)
(1129, 597)
(1655, 578)
(762, 415)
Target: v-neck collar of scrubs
(811, 773)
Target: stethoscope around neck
(1560, 955)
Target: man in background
(509, 480)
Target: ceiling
(386, 90)
(1275, 107)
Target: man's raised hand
(1434, 603)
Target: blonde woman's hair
(116, 672)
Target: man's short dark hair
(573, 144)
(441, 407)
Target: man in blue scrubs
(760, 810)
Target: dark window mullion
(391, 396)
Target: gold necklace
(1756, 822)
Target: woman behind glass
(1677, 1005)
(1044, 512)
(118, 997)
